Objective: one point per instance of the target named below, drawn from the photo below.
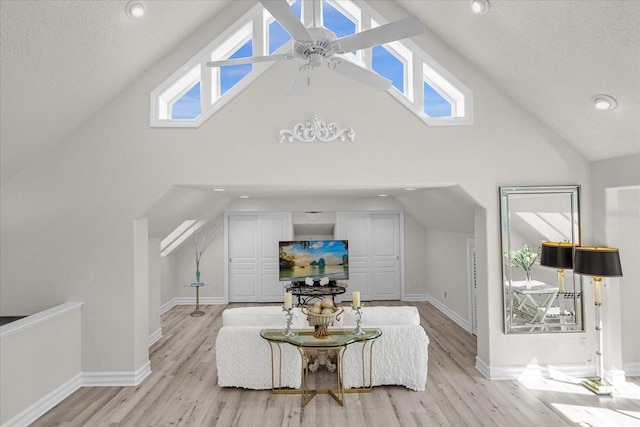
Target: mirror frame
(573, 192)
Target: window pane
(336, 21)
(387, 65)
(232, 74)
(434, 104)
(187, 107)
(277, 36)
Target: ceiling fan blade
(355, 72)
(250, 60)
(393, 31)
(300, 81)
(281, 11)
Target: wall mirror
(541, 292)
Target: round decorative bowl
(322, 321)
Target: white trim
(463, 323)
(191, 301)
(38, 318)
(155, 336)
(514, 372)
(632, 369)
(203, 300)
(39, 408)
(415, 297)
(116, 379)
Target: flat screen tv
(300, 259)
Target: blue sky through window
(387, 65)
(187, 107)
(434, 104)
(336, 21)
(232, 74)
(277, 35)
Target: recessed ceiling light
(410, 189)
(244, 197)
(135, 9)
(383, 195)
(480, 7)
(218, 189)
(604, 102)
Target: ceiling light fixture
(135, 9)
(480, 7)
(604, 102)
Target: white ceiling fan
(318, 44)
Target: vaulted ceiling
(61, 61)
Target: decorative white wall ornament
(315, 128)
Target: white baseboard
(462, 322)
(513, 372)
(155, 336)
(40, 407)
(415, 297)
(116, 379)
(190, 301)
(632, 369)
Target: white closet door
(354, 227)
(274, 228)
(374, 253)
(385, 256)
(252, 246)
(243, 258)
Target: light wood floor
(182, 391)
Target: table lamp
(598, 262)
(558, 255)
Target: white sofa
(243, 358)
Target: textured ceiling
(61, 61)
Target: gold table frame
(304, 340)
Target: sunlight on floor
(597, 417)
(626, 401)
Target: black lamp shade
(557, 255)
(597, 261)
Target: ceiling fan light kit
(318, 44)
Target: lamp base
(598, 386)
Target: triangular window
(196, 92)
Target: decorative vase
(197, 276)
(527, 278)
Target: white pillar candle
(356, 298)
(287, 300)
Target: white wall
(40, 360)
(155, 286)
(67, 219)
(415, 253)
(447, 270)
(616, 223)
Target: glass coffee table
(304, 341)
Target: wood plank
(182, 390)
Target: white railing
(40, 361)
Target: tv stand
(309, 293)
(316, 282)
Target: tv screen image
(300, 259)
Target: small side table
(197, 285)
